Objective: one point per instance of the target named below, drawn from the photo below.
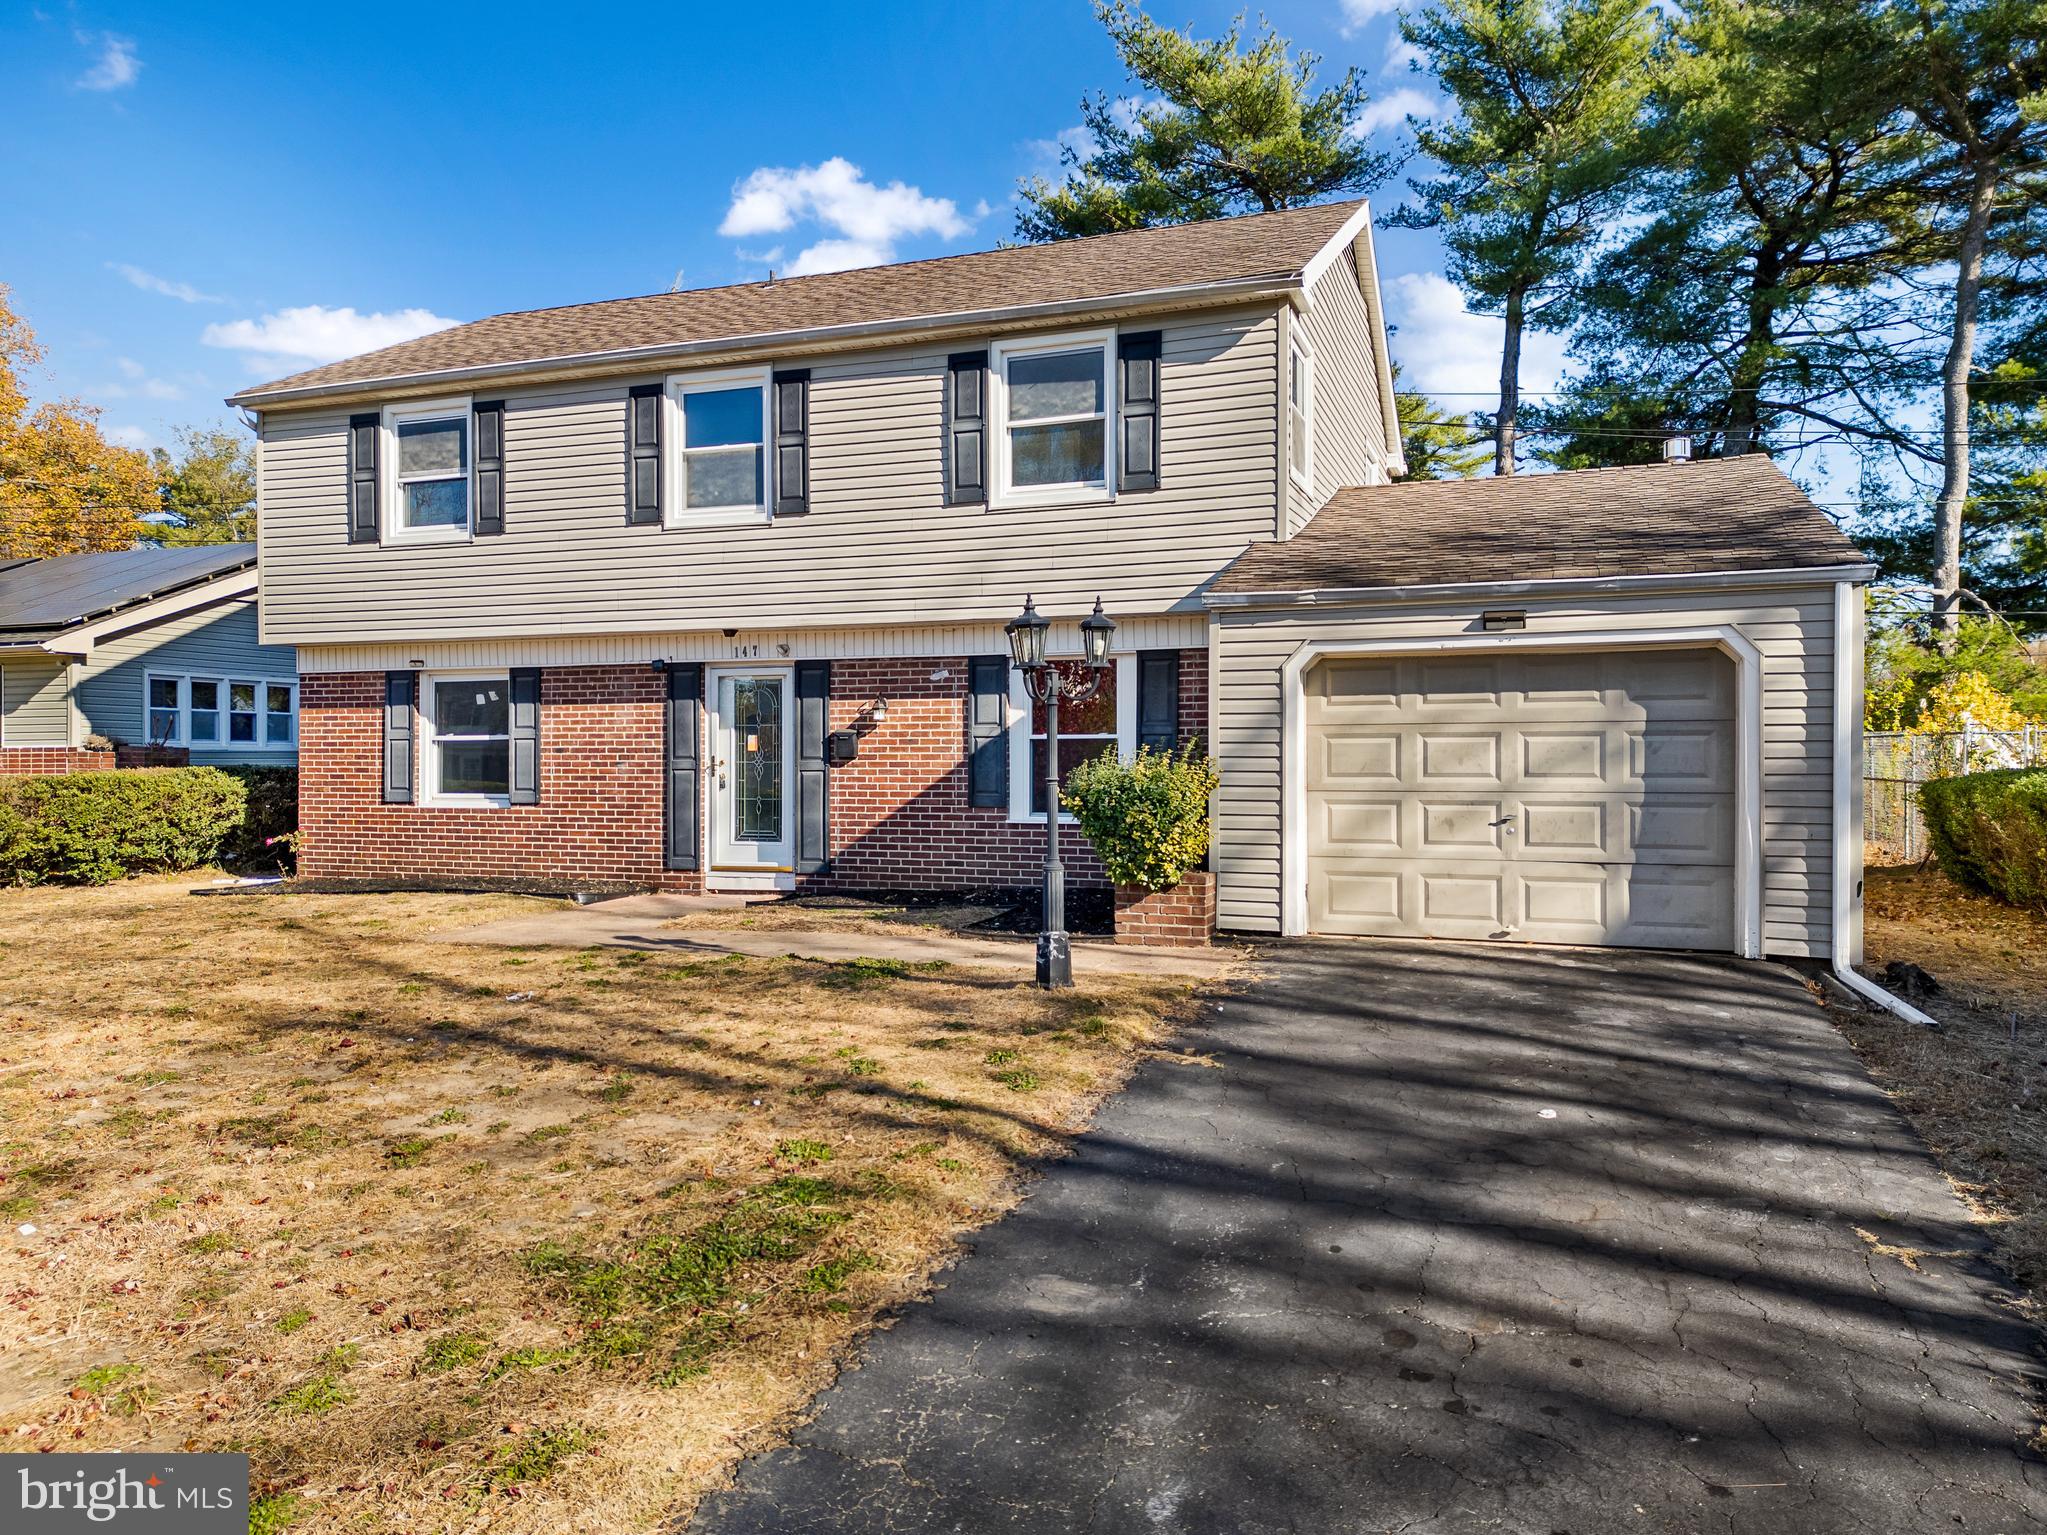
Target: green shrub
(273, 812)
(1148, 817)
(90, 828)
(1989, 831)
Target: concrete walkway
(1453, 1239)
(640, 922)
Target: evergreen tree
(1538, 161)
(1219, 129)
(209, 490)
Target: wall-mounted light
(658, 664)
(878, 710)
(1499, 619)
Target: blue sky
(203, 196)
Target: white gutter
(1810, 575)
(621, 359)
(1847, 832)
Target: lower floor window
(257, 713)
(472, 737)
(1104, 723)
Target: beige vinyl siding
(1793, 628)
(877, 546)
(35, 701)
(1348, 428)
(1170, 631)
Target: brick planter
(1180, 918)
(152, 756)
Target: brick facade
(899, 815)
(17, 761)
(1180, 918)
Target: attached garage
(1553, 798)
(1601, 708)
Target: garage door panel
(1562, 798)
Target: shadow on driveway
(1455, 1238)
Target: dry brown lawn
(1978, 1090)
(458, 1238)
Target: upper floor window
(1300, 408)
(257, 713)
(430, 457)
(720, 433)
(1051, 408)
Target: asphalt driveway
(1455, 1238)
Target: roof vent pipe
(1677, 450)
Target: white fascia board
(1352, 596)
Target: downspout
(1841, 945)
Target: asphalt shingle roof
(41, 597)
(1272, 245)
(1654, 520)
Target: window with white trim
(246, 713)
(1052, 402)
(469, 739)
(1300, 413)
(718, 432)
(1106, 722)
(431, 496)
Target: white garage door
(1562, 798)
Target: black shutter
(490, 468)
(987, 742)
(363, 432)
(792, 442)
(1137, 410)
(1158, 699)
(399, 692)
(966, 428)
(680, 794)
(813, 811)
(525, 779)
(643, 454)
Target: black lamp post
(1045, 684)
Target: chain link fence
(1895, 764)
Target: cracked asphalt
(1454, 1238)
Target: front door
(751, 756)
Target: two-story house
(706, 590)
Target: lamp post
(1045, 684)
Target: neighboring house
(706, 589)
(144, 656)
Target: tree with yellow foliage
(64, 489)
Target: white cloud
(117, 64)
(131, 437)
(1445, 350)
(1401, 55)
(1393, 109)
(140, 385)
(149, 282)
(864, 220)
(1358, 12)
(314, 333)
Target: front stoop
(1180, 918)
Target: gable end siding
(1348, 426)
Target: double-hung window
(1105, 723)
(469, 736)
(250, 713)
(1300, 413)
(718, 455)
(1052, 403)
(429, 451)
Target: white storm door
(752, 755)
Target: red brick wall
(599, 816)
(16, 761)
(1180, 918)
(899, 812)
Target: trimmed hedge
(1148, 817)
(91, 828)
(1989, 831)
(273, 812)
